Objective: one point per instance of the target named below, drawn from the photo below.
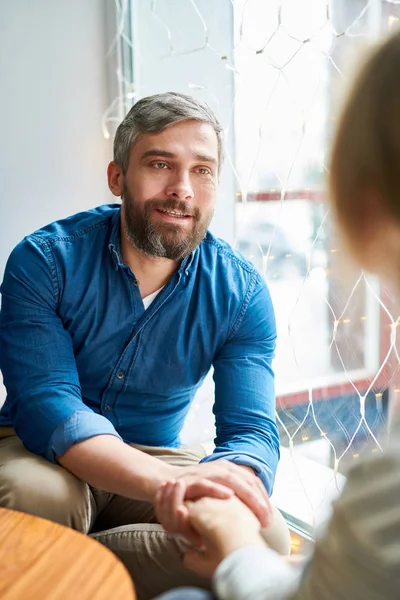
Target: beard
(163, 240)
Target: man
(110, 321)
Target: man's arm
(244, 390)
(245, 417)
(37, 359)
(43, 390)
(109, 464)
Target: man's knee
(152, 557)
(31, 484)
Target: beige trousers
(129, 528)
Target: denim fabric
(81, 356)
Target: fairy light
(283, 178)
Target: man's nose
(179, 186)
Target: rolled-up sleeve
(44, 400)
(244, 404)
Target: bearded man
(110, 321)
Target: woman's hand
(215, 527)
(224, 525)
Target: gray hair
(153, 114)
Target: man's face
(170, 189)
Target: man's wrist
(164, 472)
(249, 469)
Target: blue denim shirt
(82, 357)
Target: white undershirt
(149, 299)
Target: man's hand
(219, 479)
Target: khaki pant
(129, 528)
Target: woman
(359, 555)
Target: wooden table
(41, 560)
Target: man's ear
(115, 178)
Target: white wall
(53, 155)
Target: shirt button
(135, 282)
(120, 374)
(107, 408)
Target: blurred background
(274, 72)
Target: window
(274, 73)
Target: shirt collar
(114, 246)
(187, 263)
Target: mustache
(171, 204)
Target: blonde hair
(365, 162)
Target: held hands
(212, 482)
(218, 527)
(224, 526)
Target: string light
(284, 173)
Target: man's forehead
(200, 137)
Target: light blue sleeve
(244, 404)
(44, 400)
(255, 573)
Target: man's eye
(204, 171)
(160, 165)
